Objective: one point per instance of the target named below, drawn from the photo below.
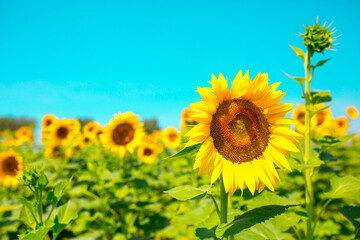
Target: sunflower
(123, 134)
(322, 120)
(11, 168)
(242, 132)
(171, 138)
(147, 153)
(48, 121)
(62, 132)
(53, 150)
(352, 112)
(299, 117)
(92, 129)
(25, 134)
(340, 126)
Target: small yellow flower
(63, 132)
(352, 112)
(11, 168)
(123, 134)
(340, 126)
(25, 134)
(171, 138)
(147, 153)
(53, 150)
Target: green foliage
(187, 192)
(151, 125)
(353, 215)
(299, 52)
(344, 187)
(249, 219)
(320, 97)
(188, 151)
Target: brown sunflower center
(123, 134)
(240, 130)
(148, 152)
(10, 166)
(301, 117)
(172, 136)
(62, 132)
(48, 122)
(321, 118)
(341, 123)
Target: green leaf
(299, 52)
(27, 218)
(320, 97)
(298, 79)
(66, 213)
(187, 192)
(344, 187)
(327, 141)
(205, 233)
(320, 63)
(185, 151)
(326, 156)
(37, 234)
(353, 214)
(249, 219)
(43, 180)
(313, 112)
(25, 202)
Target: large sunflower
(11, 168)
(123, 134)
(242, 132)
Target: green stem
(309, 192)
(223, 202)
(320, 213)
(38, 198)
(216, 206)
(52, 209)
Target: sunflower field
(243, 166)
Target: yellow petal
(284, 143)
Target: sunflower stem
(309, 193)
(223, 202)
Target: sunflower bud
(318, 38)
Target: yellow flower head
(171, 138)
(53, 150)
(123, 134)
(25, 134)
(340, 126)
(48, 121)
(352, 112)
(11, 168)
(92, 128)
(242, 132)
(63, 132)
(147, 153)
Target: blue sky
(96, 58)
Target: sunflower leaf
(39, 233)
(320, 97)
(185, 151)
(320, 63)
(353, 215)
(300, 80)
(299, 52)
(186, 192)
(314, 112)
(327, 141)
(205, 233)
(249, 219)
(343, 187)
